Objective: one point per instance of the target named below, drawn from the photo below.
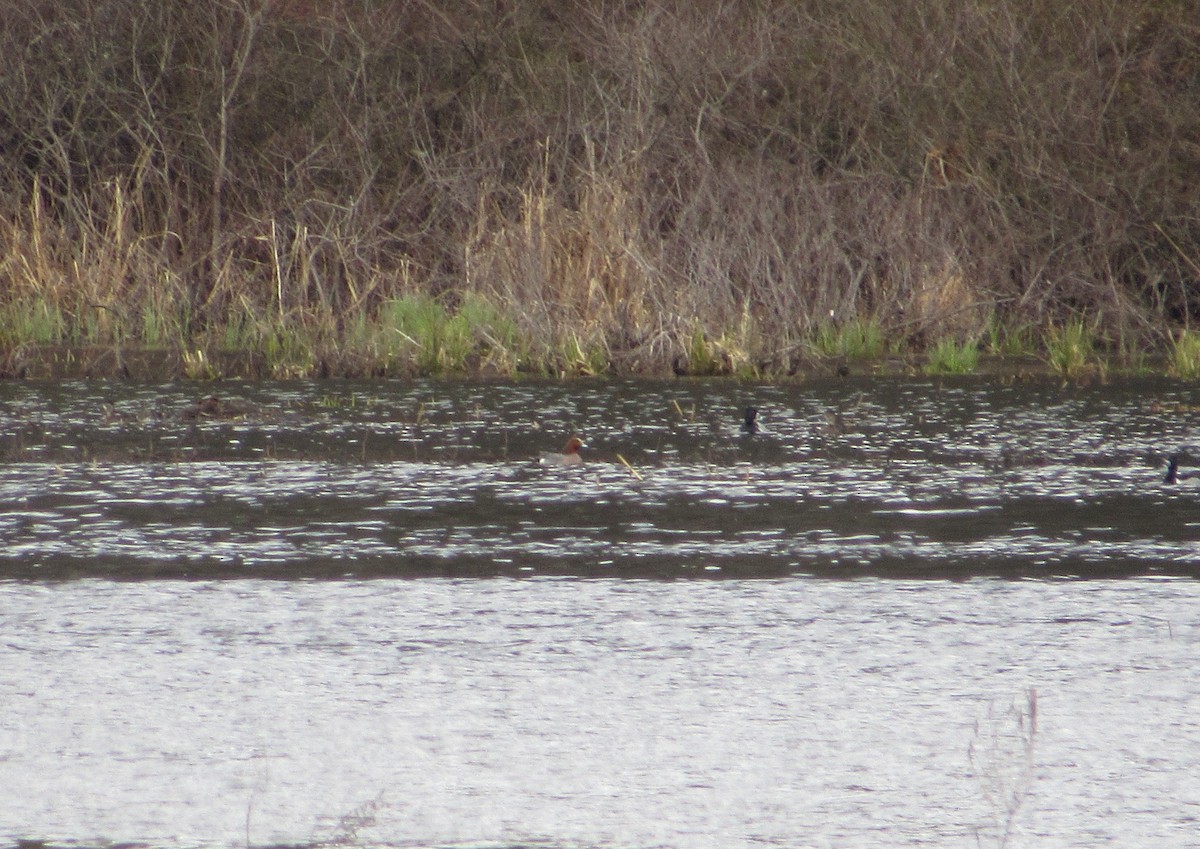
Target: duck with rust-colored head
(569, 457)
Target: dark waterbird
(750, 423)
(209, 407)
(1173, 474)
(212, 407)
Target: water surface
(607, 712)
(342, 479)
(364, 615)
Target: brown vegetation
(630, 185)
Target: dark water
(337, 479)
(397, 629)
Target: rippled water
(363, 615)
(329, 479)
(599, 713)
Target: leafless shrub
(618, 172)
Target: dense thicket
(627, 174)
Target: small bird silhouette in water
(750, 425)
(1173, 473)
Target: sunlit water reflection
(607, 712)
(270, 626)
(325, 480)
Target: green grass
(467, 333)
(480, 329)
(38, 322)
(240, 333)
(420, 330)
(413, 326)
(1010, 341)
(1069, 347)
(588, 358)
(1185, 355)
(289, 352)
(728, 354)
(703, 354)
(160, 329)
(951, 357)
(858, 339)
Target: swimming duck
(750, 425)
(109, 414)
(1173, 473)
(835, 423)
(209, 407)
(569, 457)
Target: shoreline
(148, 365)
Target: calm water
(362, 615)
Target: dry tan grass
(637, 187)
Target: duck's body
(835, 423)
(109, 414)
(209, 407)
(212, 407)
(750, 425)
(1173, 474)
(569, 457)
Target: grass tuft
(1015, 341)
(857, 339)
(37, 322)
(1070, 347)
(586, 358)
(950, 357)
(1185, 355)
(418, 332)
(197, 366)
(704, 355)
